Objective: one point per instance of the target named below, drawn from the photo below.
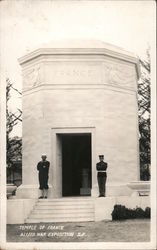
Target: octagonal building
(79, 101)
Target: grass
(137, 230)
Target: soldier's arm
(38, 166)
(48, 165)
(97, 166)
(106, 165)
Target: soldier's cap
(43, 154)
(101, 156)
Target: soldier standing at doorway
(43, 168)
(101, 175)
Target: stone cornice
(106, 86)
(119, 54)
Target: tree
(144, 114)
(14, 144)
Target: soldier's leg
(45, 193)
(42, 193)
(99, 183)
(105, 185)
(101, 186)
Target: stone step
(70, 219)
(53, 216)
(63, 203)
(62, 213)
(60, 210)
(66, 199)
(65, 207)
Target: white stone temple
(79, 101)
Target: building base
(33, 191)
(21, 208)
(102, 206)
(113, 189)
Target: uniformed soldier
(101, 175)
(43, 168)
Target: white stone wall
(21, 209)
(82, 91)
(114, 116)
(105, 206)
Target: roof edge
(122, 55)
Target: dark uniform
(101, 176)
(43, 168)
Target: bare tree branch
(14, 145)
(144, 115)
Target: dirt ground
(104, 231)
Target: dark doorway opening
(76, 164)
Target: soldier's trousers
(101, 176)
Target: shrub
(119, 212)
(140, 213)
(122, 213)
(147, 212)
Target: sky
(26, 24)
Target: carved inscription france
(107, 72)
(73, 73)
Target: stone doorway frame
(56, 171)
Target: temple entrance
(76, 164)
